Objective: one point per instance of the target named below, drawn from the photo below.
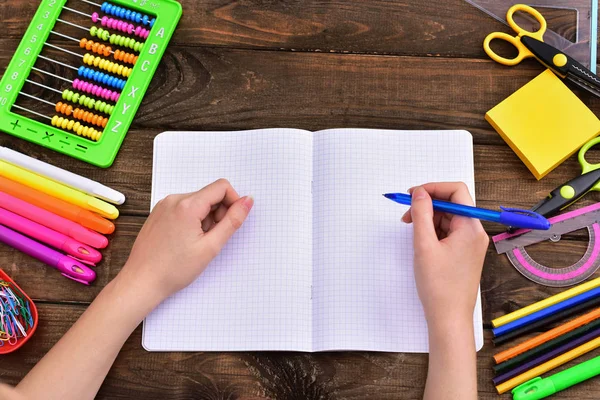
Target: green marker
(540, 388)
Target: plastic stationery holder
(9, 348)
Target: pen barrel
(60, 175)
(58, 190)
(32, 229)
(56, 206)
(577, 374)
(87, 236)
(466, 211)
(29, 246)
(52, 221)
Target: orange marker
(544, 337)
(59, 207)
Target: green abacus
(166, 14)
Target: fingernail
(419, 193)
(248, 202)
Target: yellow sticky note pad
(544, 122)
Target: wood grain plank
(450, 28)
(223, 89)
(233, 90)
(258, 375)
(199, 88)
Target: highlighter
(45, 235)
(68, 267)
(54, 222)
(58, 190)
(540, 388)
(56, 206)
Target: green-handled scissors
(531, 44)
(568, 193)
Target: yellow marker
(58, 190)
(544, 123)
(548, 366)
(540, 305)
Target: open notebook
(323, 261)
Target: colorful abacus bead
(117, 24)
(64, 108)
(101, 77)
(123, 41)
(88, 102)
(89, 117)
(96, 90)
(107, 65)
(129, 15)
(125, 57)
(76, 127)
(97, 48)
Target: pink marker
(55, 239)
(69, 267)
(52, 221)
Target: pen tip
(387, 195)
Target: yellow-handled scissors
(531, 44)
(568, 193)
(524, 52)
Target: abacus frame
(103, 152)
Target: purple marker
(69, 267)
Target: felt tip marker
(540, 388)
(60, 175)
(68, 267)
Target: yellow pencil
(548, 366)
(57, 190)
(540, 305)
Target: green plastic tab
(567, 192)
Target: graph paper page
(364, 294)
(256, 294)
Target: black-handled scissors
(568, 193)
(531, 44)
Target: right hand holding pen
(448, 254)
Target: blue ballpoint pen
(514, 217)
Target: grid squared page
(256, 294)
(364, 294)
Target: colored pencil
(530, 309)
(550, 365)
(563, 305)
(544, 337)
(545, 348)
(543, 323)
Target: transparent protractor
(560, 277)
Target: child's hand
(449, 254)
(181, 237)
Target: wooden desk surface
(242, 64)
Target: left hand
(181, 237)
